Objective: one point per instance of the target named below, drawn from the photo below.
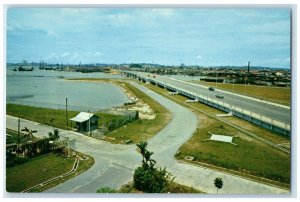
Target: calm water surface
(46, 87)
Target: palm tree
(148, 155)
(29, 134)
(142, 148)
(218, 183)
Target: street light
(216, 78)
(245, 86)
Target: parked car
(220, 95)
(211, 89)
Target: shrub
(106, 190)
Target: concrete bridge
(268, 115)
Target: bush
(12, 160)
(150, 180)
(106, 190)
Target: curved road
(115, 164)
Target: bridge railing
(232, 108)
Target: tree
(135, 66)
(29, 134)
(218, 183)
(147, 178)
(54, 135)
(142, 149)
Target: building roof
(82, 117)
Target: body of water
(46, 87)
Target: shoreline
(145, 111)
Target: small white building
(85, 121)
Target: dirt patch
(145, 111)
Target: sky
(167, 36)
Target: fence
(118, 122)
(114, 110)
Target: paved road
(115, 164)
(272, 111)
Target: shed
(85, 121)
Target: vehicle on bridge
(211, 89)
(220, 95)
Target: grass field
(279, 95)
(44, 115)
(82, 167)
(250, 157)
(36, 170)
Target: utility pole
(216, 79)
(89, 124)
(245, 85)
(248, 71)
(18, 133)
(67, 111)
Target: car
(211, 89)
(220, 95)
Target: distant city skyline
(204, 37)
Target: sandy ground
(145, 111)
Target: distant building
(85, 122)
(280, 74)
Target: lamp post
(18, 133)
(67, 111)
(89, 124)
(245, 86)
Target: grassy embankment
(40, 169)
(281, 95)
(44, 115)
(141, 129)
(251, 158)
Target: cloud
(51, 33)
(120, 19)
(13, 25)
(66, 54)
(98, 54)
(199, 57)
(162, 12)
(53, 57)
(75, 56)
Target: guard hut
(85, 122)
